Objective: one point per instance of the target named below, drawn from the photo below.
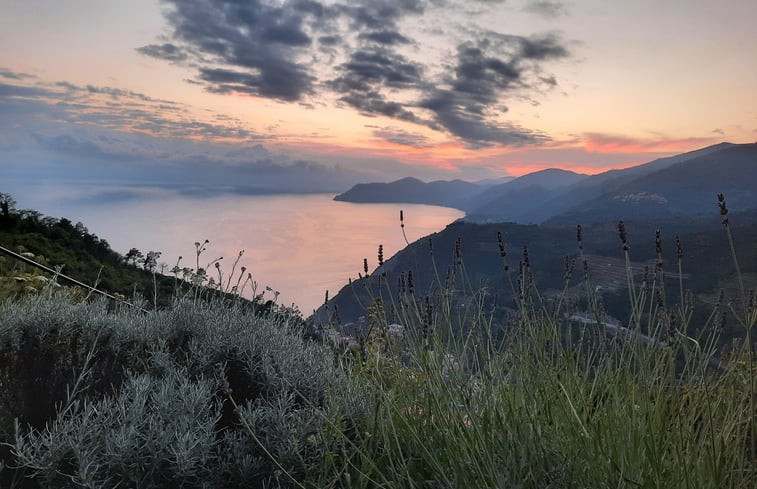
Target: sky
(299, 95)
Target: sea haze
(300, 245)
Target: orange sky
(626, 82)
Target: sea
(297, 246)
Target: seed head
(723, 209)
(658, 242)
(679, 248)
(410, 282)
(672, 322)
(365, 266)
(570, 264)
(622, 234)
(501, 245)
(526, 262)
(660, 300)
(427, 323)
(720, 320)
(402, 219)
(381, 255)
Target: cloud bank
(378, 57)
(61, 131)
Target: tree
(151, 260)
(7, 204)
(133, 256)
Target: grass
(212, 393)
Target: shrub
(198, 395)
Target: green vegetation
(84, 256)
(125, 398)
(437, 390)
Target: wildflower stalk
(635, 314)
(749, 320)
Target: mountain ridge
(675, 185)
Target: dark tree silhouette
(7, 204)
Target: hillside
(209, 393)
(413, 191)
(680, 185)
(684, 188)
(520, 198)
(654, 189)
(83, 256)
(433, 262)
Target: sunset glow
(434, 90)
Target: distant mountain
(519, 198)
(676, 195)
(610, 180)
(490, 182)
(413, 191)
(457, 193)
(680, 185)
(687, 187)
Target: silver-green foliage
(202, 396)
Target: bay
(298, 245)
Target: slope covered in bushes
(196, 395)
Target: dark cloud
(286, 82)
(380, 14)
(368, 69)
(68, 86)
(8, 90)
(542, 48)
(363, 79)
(361, 52)
(372, 103)
(386, 36)
(402, 137)
(546, 8)
(15, 75)
(117, 93)
(463, 116)
(166, 51)
(254, 47)
(111, 108)
(467, 106)
(73, 134)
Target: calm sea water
(300, 245)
